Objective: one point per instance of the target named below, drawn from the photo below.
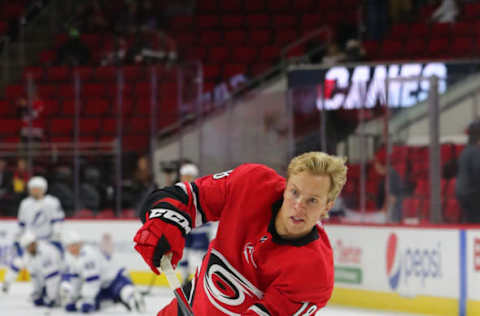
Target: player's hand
(157, 237)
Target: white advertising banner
(473, 264)
(408, 261)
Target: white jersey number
(221, 175)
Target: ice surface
(16, 303)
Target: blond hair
(319, 163)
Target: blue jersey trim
(51, 275)
(92, 278)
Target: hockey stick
(175, 285)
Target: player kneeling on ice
(270, 255)
(91, 278)
(44, 262)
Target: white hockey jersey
(42, 217)
(88, 273)
(46, 269)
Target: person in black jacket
(467, 187)
(6, 190)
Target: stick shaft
(175, 285)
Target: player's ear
(329, 205)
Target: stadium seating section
(411, 163)
(231, 37)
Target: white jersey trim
(198, 215)
(257, 310)
(304, 306)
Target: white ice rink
(16, 303)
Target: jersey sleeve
(22, 220)
(57, 216)
(205, 199)
(188, 199)
(56, 212)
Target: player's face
(304, 204)
(74, 249)
(187, 178)
(36, 193)
(32, 248)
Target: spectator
(152, 46)
(89, 194)
(333, 55)
(142, 182)
(166, 46)
(390, 204)
(118, 54)
(467, 187)
(33, 122)
(135, 51)
(20, 178)
(6, 190)
(354, 50)
(62, 189)
(376, 19)
(73, 52)
(446, 13)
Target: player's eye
(312, 200)
(294, 192)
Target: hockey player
(39, 213)
(44, 261)
(92, 278)
(270, 256)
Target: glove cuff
(180, 219)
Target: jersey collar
(302, 241)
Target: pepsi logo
(392, 266)
(412, 265)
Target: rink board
(473, 274)
(430, 270)
(410, 269)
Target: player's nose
(299, 206)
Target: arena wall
(418, 269)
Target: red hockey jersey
(249, 269)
